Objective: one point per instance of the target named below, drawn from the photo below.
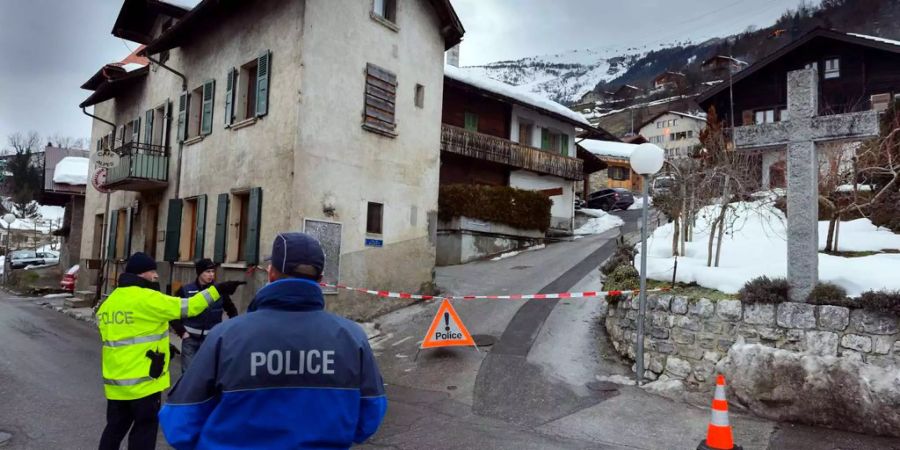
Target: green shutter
(221, 229)
(251, 247)
(136, 130)
(471, 121)
(182, 116)
(111, 235)
(229, 96)
(129, 217)
(564, 144)
(545, 139)
(148, 126)
(166, 124)
(263, 75)
(201, 227)
(173, 230)
(209, 90)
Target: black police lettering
(116, 317)
(292, 362)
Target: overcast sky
(48, 48)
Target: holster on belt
(157, 363)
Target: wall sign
(374, 242)
(329, 235)
(106, 159)
(98, 181)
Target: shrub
(527, 210)
(623, 256)
(827, 294)
(885, 302)
(765, 290)
(885, 212)
(624, 277)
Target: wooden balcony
(490, 148)
(142, 167)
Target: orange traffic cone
(719, 435)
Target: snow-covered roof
(608, 148)
(876, 39)
(72, 170)
(129, 67)
(184, 4)
(689, 116)
(513, 92)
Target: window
(618, 173)
(832, 68)
(783, 114)
(374, 217)
(188, 239)
(195, 111)
(380, 96)
(671, 136)
(247, 90)
(690, 134)
(554, 141)
(385, 9)
(526, 133)
(237, 226)
(420, 96)
(764, 116)
(471, 121)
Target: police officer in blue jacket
(194, 330)
(285, 375)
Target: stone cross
(800, 133)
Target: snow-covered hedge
(527, 210)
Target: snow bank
(599, 225)
(755, 245)
(72, 170)
(513, 92)
(860, 235)
(608, 148)
(593, 212)
(639, 203)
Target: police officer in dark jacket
(194, 330)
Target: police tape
(560, 295)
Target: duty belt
(196, 331)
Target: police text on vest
(293, 362)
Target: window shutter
(166, 124)
(221, 229)
(545, 139)
(99, 144)
(209, 90)
(251, 248)
(263, 75)
(111, 235)
(173, 230)
(381, 95)
(129, 217)
(471, 121)
(564, 144)
(148, 126)
(201, 227)
(229, 96)
(182, 116)
(121, 138)
(136, 130)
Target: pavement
(534, 388)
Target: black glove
(228, 287)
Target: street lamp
(646, 160)
(9, 218)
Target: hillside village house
(669, 80)
(856, 73)
(254, 118)
(676, 132)
(616, 156)
(64, 184)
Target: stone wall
(685, 337)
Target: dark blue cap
(290, 250)
(139, 263)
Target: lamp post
(646, 160)
(9, 218)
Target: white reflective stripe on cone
(719, 418)
(185, 302)
(132, 341)
(126, 381)
(208, 297)
(720, 393)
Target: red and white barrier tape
(560, 295)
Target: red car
(69, 279)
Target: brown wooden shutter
(381, 94)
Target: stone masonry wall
(684, 338)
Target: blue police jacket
(209, 318)
(287, 375)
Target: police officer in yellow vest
(134, 322)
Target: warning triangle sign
(447, 330)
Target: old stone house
(253, 118)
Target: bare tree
(62, 141)
(26, 170)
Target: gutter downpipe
(101, 272)
(184, 86)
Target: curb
(89, 318)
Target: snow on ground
(859, 187)
(600, 224)
(72, 170)
(593, 212)
(639, 203)
(516, 252)
(755, 245)
(860, 235)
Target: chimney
(453, 56)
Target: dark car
(610, 199)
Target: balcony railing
(142, 167)
(490, 148)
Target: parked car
(610, 199)
(20, 259)
(69, 279)
(579, 203)
(49, 257)
(662, 185)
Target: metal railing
(140, 161)
(491, 148)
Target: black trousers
(139, 416)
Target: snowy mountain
(565, 77)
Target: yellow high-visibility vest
(132, 321)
